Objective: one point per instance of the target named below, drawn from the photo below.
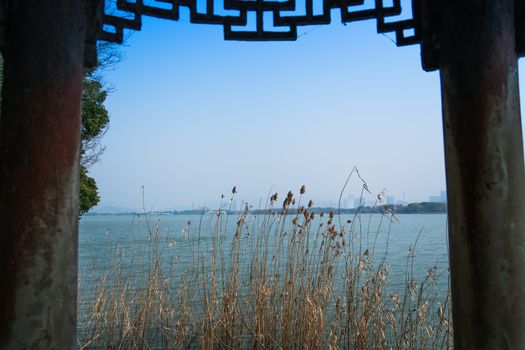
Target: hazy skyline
(192, 115)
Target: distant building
(434, 199)
(349, 202)
(331, 204)
(442, 198)
(390, 200)
(358, 202)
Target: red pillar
(39, 173)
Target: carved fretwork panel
(285, 17)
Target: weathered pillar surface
(39, 174)
(485, 173)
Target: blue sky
(192, 115)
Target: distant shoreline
(411, 208)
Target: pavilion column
(485, 172)
(39, 173)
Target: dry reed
(267, 281)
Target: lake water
(186, 245)
(101, 237)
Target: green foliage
(418, 208)
(88, 192)
(95, 117)
(425, 207)
(95, 120)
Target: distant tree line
(420, 208)
(412, 208)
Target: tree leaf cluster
(95, 122)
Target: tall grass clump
(281, 277)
